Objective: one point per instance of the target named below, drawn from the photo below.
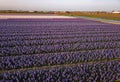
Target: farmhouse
(117, 12)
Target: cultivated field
(59, 50)
(33, 16)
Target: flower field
(59, 50)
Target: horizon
(60, 5)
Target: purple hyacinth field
(59, 50)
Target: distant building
(118, 12)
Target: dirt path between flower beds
(62, 65)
